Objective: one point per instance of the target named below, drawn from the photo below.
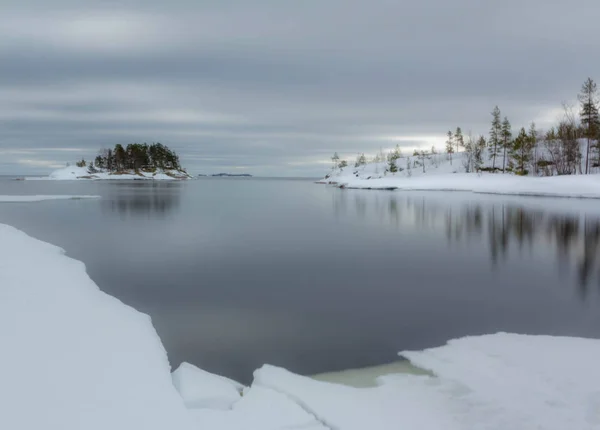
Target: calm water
(239, 272)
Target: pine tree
(533, 137)
(110, 160)
(450, 146)
(459, 139)
(361, 160)
(120, 157)
(589, 115)
(495, 136)
(478, 153)
(335, 159)
(394, 155)
(506, 137)
(521, 151)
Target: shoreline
(576, 186)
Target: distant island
(135, 162)
(246, 175)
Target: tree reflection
(505, 228)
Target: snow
(73, 357)
(521, 382)
(500, 381)
(39, 198)
(259, 409)
(201, 389)
(70, 173)
(580, 186)
(440, 175)
(76, 358)
(408, 403)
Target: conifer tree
(394, 155)
(506, 137)
(521, 151)
(588, 100)
(450, 146)
(533, 137)
(478, 153)
(361, 160)
(495, 136)
(459, 139)
(335, 159)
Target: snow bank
(407, 403)
(580, 186)
(521, 382)
(201, 389)
(259, 409)
(501, 381)
(73, 357)
(24, 199)
(81, 173)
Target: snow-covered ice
(39, 198)
(259, 409)
(73, 357)
(511, 381)
(71, 173)
(201, 389)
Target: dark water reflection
(140, 198)
(237, 273)
(505, 228)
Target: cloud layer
(274, 88)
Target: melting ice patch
(27, 199)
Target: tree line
(570, 147)
(135, 156)
(558, 151)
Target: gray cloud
(275, 87)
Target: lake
(240, 272)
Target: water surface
(240, 272)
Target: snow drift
(73, 357)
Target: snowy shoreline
(582, 186)
(74, 173)
(438, 173)
(104, 366)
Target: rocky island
(134, 162)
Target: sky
(275, 87)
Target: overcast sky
(274, 87)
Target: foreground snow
(508, 381)
(73, 357)
(82, 173)
(25, 199)
(76, 358)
